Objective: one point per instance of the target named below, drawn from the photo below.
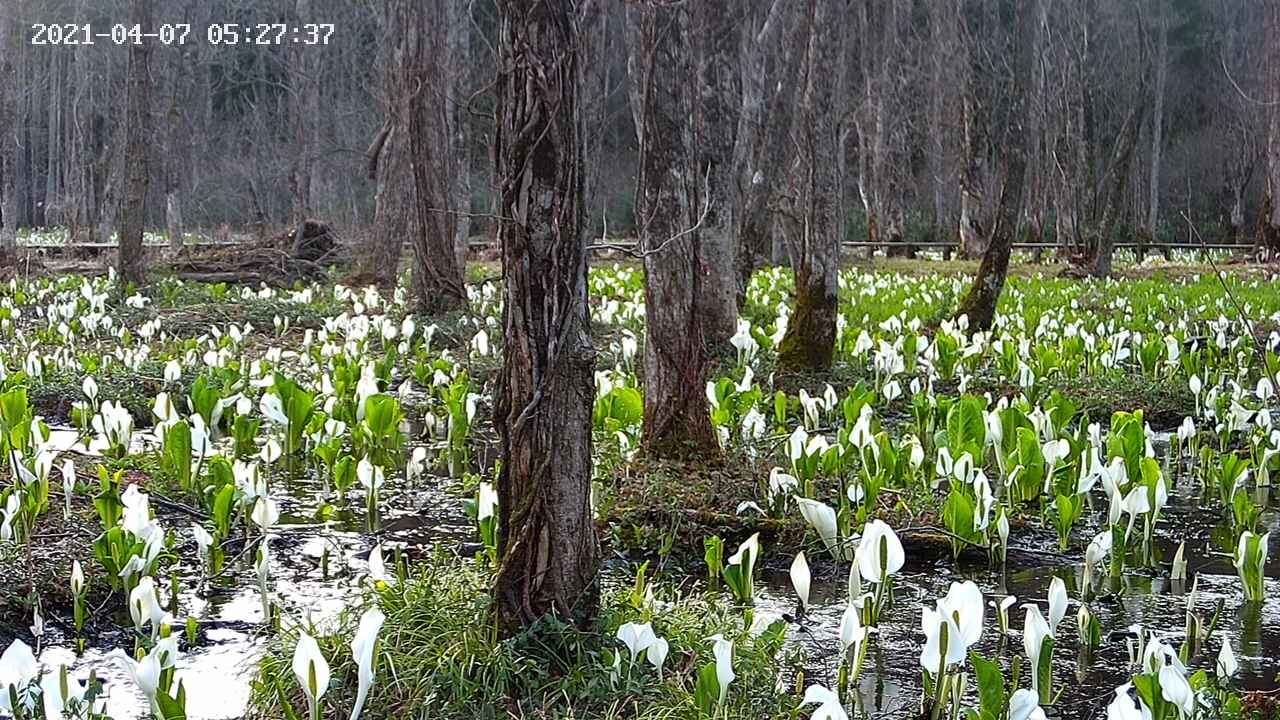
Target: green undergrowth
(665, 510)
(53, 394)
(41, 569)
(439, 657)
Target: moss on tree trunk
(809, 343)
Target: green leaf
(707, 691)
(713, 554)
(965, 427)
(1044, 671)
(991, 690)
(173, 708)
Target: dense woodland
(1137, 116)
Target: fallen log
(302, 253)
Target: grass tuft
(439, 657)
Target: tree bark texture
(394, 216)
(1157, 124)
(1115, 181)
(424, 100)
(1270, 221)
(8, 141)
(979, 305)
(680, 264)
(304, 117)
(764, 126)
(137, 138)
(809, 342)
(714, 46)
(549, 552)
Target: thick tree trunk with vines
(137, 131)
(681, 270)
(549, 552)
(979, 304)
(809, 343)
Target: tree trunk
(942, 32)
(1118, 175)
(545, 392)
(1270, 220)
(715, 106)
(979, 304)
(1157, 125)
(174, 133)
(54, 201)
(764, 125)
(457, 72)
(8, 142)
(137, 138)
(393, 206)
(809, 342)
(974, 224)
(304, 108)
(388, 154)
(173, 220)
(679, 264)
(437, 272)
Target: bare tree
(1115, 181)
(459, 56)
(1157, 121)
(1269, 223)
(265, 135)
(433, 144)
(714, 110)
(8, 140)
(974, 182)
(543, 400)
(979, 305)
(880, 118)
(809, 342)
(671, 210)
(395, 206)
(174, 154)
(304, 111)
(773, 57)
(137, 138)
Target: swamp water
(217, 672)
(890, 684)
